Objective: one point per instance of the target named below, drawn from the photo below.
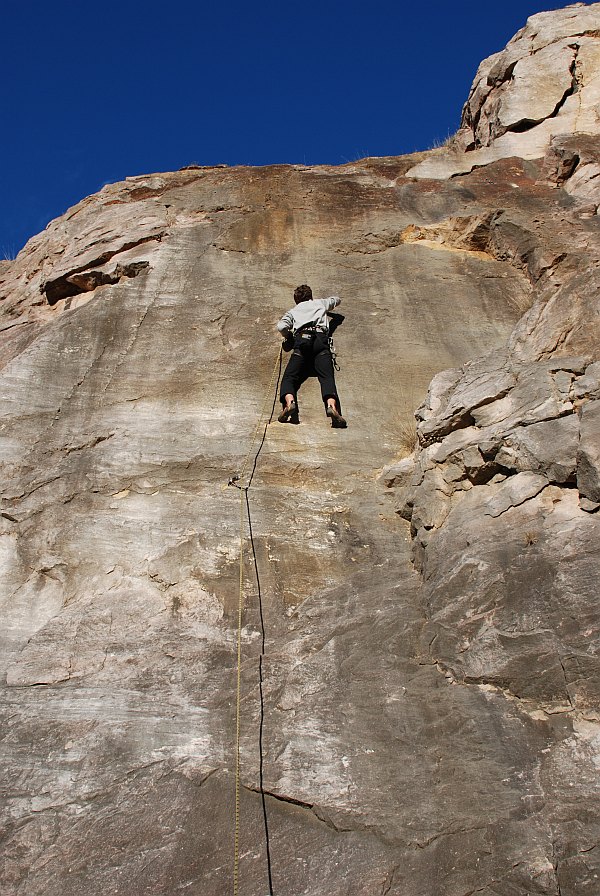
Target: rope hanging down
(238, 482)
(239, 479)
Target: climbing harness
(243, 481)
(313, 331)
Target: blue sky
(92, 93)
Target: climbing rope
(239, 482)
(261, 657)
(275, 372)
(238, 701)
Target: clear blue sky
(94, 92)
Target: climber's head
(302, 294)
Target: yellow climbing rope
(238, 700)
(268, 395)
(243, 486)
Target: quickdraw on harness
(333, 354)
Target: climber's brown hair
(302, 293)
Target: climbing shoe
(289, 413)
(337, 421)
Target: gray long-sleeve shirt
(313, 312)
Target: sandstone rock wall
(431, 663)
(544, 83)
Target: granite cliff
(431, 670)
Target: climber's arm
(335, 320)
(285, 324)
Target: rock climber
(308, 325)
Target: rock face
(546, 82)
(431, 671)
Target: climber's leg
(324, 369)
(293, 377)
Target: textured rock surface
(544, 84)
(432, 686)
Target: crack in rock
(97, 440)
(85, 278)
(526, 124)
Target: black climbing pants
(311, 357)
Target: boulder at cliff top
(431, 669)
(545, 83)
